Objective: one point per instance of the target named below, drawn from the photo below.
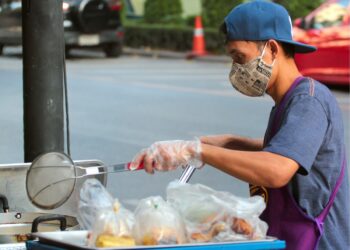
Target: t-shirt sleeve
(301, 133)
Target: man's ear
(274, 48)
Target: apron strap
(325, 211)
(280, 109)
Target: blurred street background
(120, 103)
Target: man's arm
(255, 167)
(258, 168)
(233, 142)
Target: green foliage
(189, 21)
(299, 8)
(163, 11)
(214, 11)
(165, 29)
(168, 37)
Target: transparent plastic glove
(169, 155)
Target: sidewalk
(174, 55)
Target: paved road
(119, 106)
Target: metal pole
(43, 48)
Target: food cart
(75, 241)
(74, 238)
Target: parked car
(87, 23)
(327, 28)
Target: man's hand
(169, 155)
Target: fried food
(22, 237)
(106, 240)
(160, 236)
(241, 226)
(149, 240)
(206, 237)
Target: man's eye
(238, 59)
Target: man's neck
(285, 78)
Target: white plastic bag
(157, 223)
(212, 216)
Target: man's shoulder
(311, 88)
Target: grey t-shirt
(312, 134)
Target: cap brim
(300, 47)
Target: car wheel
(1, 49)
(113, 50)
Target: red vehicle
(327, 28)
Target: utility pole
(43, 48)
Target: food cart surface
(76, 240)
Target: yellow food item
(116, 207)
(106, 240)
(161, 236)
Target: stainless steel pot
(16, 227)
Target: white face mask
(251, 78)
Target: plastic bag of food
(93, 199)
(108, 222)
(158, 223)
(113, 228)
(244, 215)
(212, 216)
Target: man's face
(244, 51)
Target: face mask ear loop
(263, 52)
(273, 62)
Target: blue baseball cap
(262, 20)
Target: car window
(333, 14)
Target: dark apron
(286, 220)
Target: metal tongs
(187, 174)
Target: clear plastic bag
(158, 223)
(212, 216)
(94, 198)
(109, 223)
(113, 228)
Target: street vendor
(300, 166)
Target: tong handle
(187, 174)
